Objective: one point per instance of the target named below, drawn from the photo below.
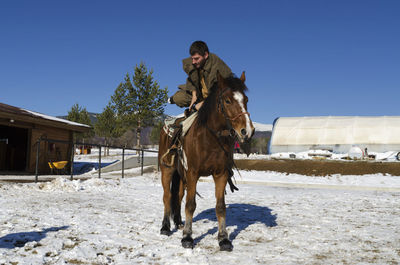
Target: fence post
(72, 160)
(37, 160)
(99, 161)
(123, 159)
(142, 159)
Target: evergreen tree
(75, 113)
(79, 114)
(138, 101)
(259, 145)
(155, 132)
(108, 126)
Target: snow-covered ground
(390, 156)
(261, 127)
(90, 162)
(117, 221)
(356, 154)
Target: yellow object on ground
(58, 164)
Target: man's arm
(194, 99)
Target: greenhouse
(335, 133)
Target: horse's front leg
(190, 207)
(220, 209)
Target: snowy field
(390, 156)
(273, 219)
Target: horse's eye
(227, 101)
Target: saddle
(176, 129)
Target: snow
(274, 218)
(260, 127)
(47, 117)
(389, 156)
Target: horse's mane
(209, 106)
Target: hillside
(92, 116)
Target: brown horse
(207, 149)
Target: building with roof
(20, 131)
(336, 133)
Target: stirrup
(164, 159)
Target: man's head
(199, 53)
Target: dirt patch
(320, 168)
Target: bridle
(230, 132)
(240, 114)
(227, 118)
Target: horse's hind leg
(177, 190)
(220, 209)
(166, 179)
(187, 240)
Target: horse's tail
(175, 186)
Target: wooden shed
(20, 131)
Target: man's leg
(182, 98)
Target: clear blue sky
(302, 58)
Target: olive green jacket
(209, 71)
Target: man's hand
(198, 105)
(194, 99)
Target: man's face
(198, 61)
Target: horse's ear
(221, 80)
(243, 77)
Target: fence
(99, 146)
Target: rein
(230, 132)
(231, 185)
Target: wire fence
(73, 145)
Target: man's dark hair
(199, 47)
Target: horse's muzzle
(245, 135)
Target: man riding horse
(202, 68)
(206, 149)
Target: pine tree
(81, 115)
(75, 113)
(108, 125)
(138, 101)
(155, 132)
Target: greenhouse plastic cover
(335, 132)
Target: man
(201, 68)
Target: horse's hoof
(165, 231)
(225, 245)
(187, 242)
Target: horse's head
(232, 102)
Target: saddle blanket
(170, 124)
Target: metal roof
(19, 114)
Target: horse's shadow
(20, 239)
(239, 215)
(84, 167)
